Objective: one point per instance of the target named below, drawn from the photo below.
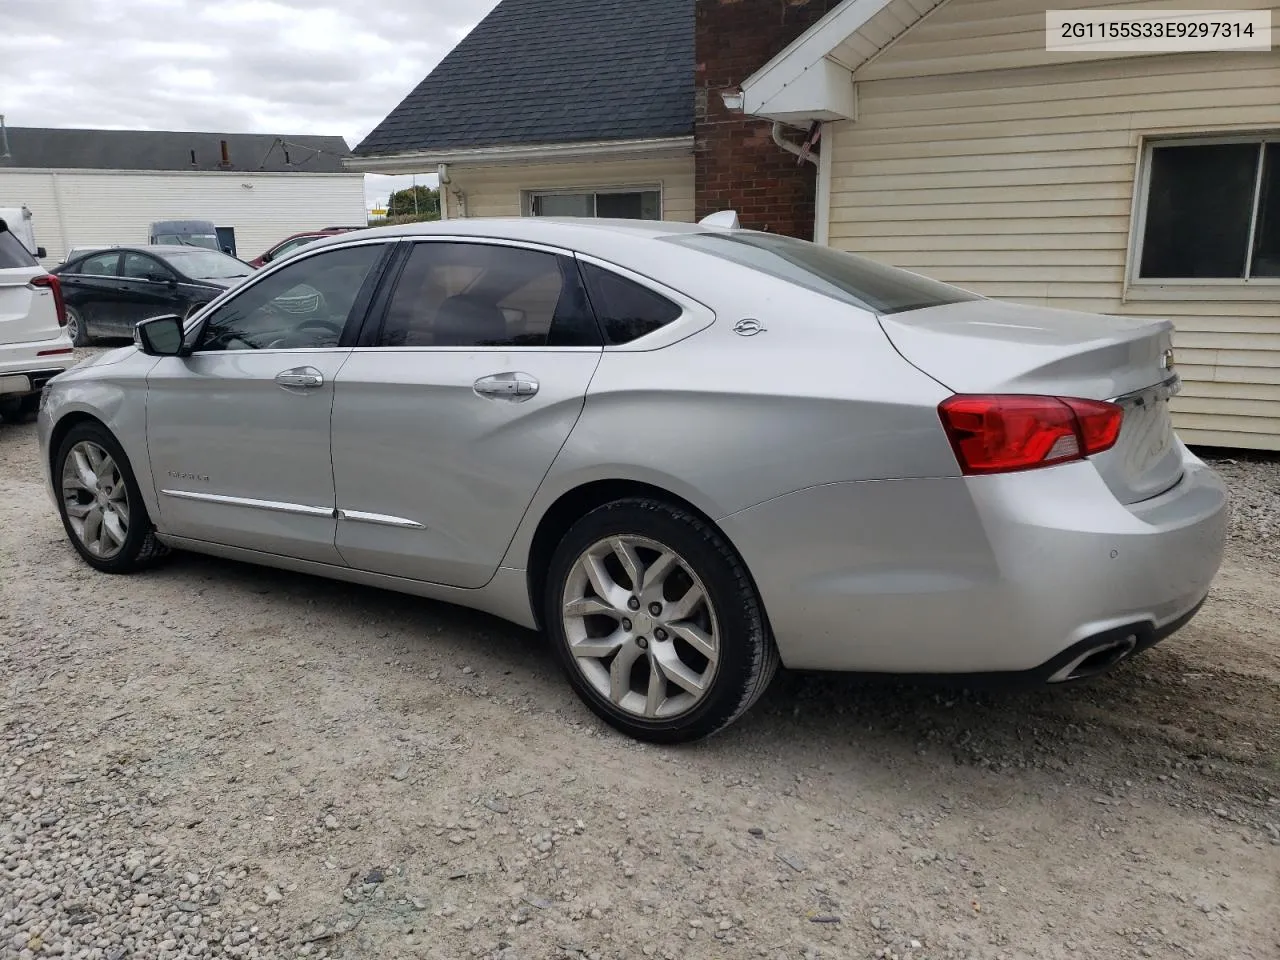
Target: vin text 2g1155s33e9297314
(686, 452)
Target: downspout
(442, 171)
(790, 147)
(822, 211)
(59, 214)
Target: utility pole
(4, 140)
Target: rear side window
(626, 310)
(856, 280)
(485, 295)
(13, 253)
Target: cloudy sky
(255, 66)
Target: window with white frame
(1210, 211)
(623, 203)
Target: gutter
(415, 161)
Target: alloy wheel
(96, 498)
(641, 627)
(73, 325)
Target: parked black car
(108, 291)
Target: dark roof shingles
(44, 148)
(553, 71)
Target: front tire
(76, 328)
(656, 622)
(100, 502)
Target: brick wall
(737, 164)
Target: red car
(289, 244)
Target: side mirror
(41, 253)
(160, 336)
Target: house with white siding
(938, 136)
(102, 187)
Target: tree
(421, 203)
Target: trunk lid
(988, 346)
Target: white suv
(34, 346)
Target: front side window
(484, 295)
(100, 265)
(609, 204)
(859, 281)
(1212, 212)
(302, 306)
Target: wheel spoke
(78, 511)
(590, 606)
(683, 608)
(93, 456)
(84, 471)
(697, 638)
(620, 672)
(599, 647)
(93, 529)
(679, 674)
(603, 584)
(657, 694)
(630, 561)
(114, 528)
(657, 573)
(119, 492)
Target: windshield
(856, 280)
(208, 241)
(206, 264)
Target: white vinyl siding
(499, 191)
(963, 36)
(1019, 184)
(84, 207)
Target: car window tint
(139, 266)
(484, 295)
(626, 310)
(302, 306)
(13, 253)
(100, 265)
(859, 281)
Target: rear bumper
(26, 367)
(1013, 574)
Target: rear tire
(656, 622)
(76, 328)
(101, 504)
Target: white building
(87, 187)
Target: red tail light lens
(50, 282)
(1001, 434)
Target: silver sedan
(686, 453)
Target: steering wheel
(298, 339)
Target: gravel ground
(216, 760)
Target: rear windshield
(13, 253)
(206, 264)
(844, 276)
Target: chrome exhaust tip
(1096, 660)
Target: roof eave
(801, 84)
(419, 161)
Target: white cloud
(253, 66)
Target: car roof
(585, 234)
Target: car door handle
(306, 377)
(517, 387)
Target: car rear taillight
(50, 282)
(1004, 433)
